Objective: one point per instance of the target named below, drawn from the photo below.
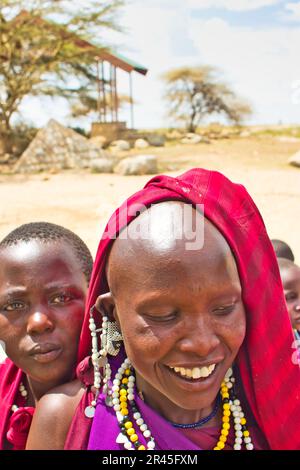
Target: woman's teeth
(196, 372)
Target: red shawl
(270, 379)
(14, 427)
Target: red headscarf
(271, 380)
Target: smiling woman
(190, 350)
(44, 274)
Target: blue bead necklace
(202, 420)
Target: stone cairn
(56, 147)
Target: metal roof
(114, 58)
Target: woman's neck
(37, 389)
(173, 413)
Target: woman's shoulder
(53, 416)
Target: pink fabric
(270, 379)
(79, 432)
(18, 427)
(14, 427)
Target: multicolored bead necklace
(232, 406)
(127, 411)
(123, 393)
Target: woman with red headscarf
(187, 292)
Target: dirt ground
(84, 201)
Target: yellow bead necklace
(127, 412)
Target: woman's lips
(47, 357)
(45, 353)
(194, 372)
(197, 377)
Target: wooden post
(103, 91)
(112, 94)
(99, 110)
(116, 95)
(131, 101)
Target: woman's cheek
(143, 345)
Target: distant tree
(193, 93)
(45, 49)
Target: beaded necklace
(202, 421)
(127, 412)
(24, 394)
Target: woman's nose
(297, 307)
(39, 322)
(199, 339)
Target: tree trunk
(191, 124)
(5, 136)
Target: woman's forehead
(157, 258)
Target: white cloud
(152, 34)
(293, 11)
(261, 65)
(235, 5)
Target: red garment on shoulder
(14, 427)
(79, 432)
(270, 379)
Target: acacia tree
(193, 93)
(45, 49)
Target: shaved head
(164, 232)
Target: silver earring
(110, 344)
(97, 362)
(111, 338)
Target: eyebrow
(14, 291)
(165, 297)
(293, 284)
(55, 287)
(12, 294)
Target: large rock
(192, 138)
(102, 165)
(174, 135)
(294, 160)
(99, 140)
(141, 144)
(56, 147)
(120, 145)
(138, 165)
(156, 140)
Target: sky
(254, 44)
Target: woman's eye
(61, 299)
(161, 318)
(14, 306)
(224, 310)
(290, 296)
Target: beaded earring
(110, 344)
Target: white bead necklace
(120, 398)
(24, 394)
(123, 392)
